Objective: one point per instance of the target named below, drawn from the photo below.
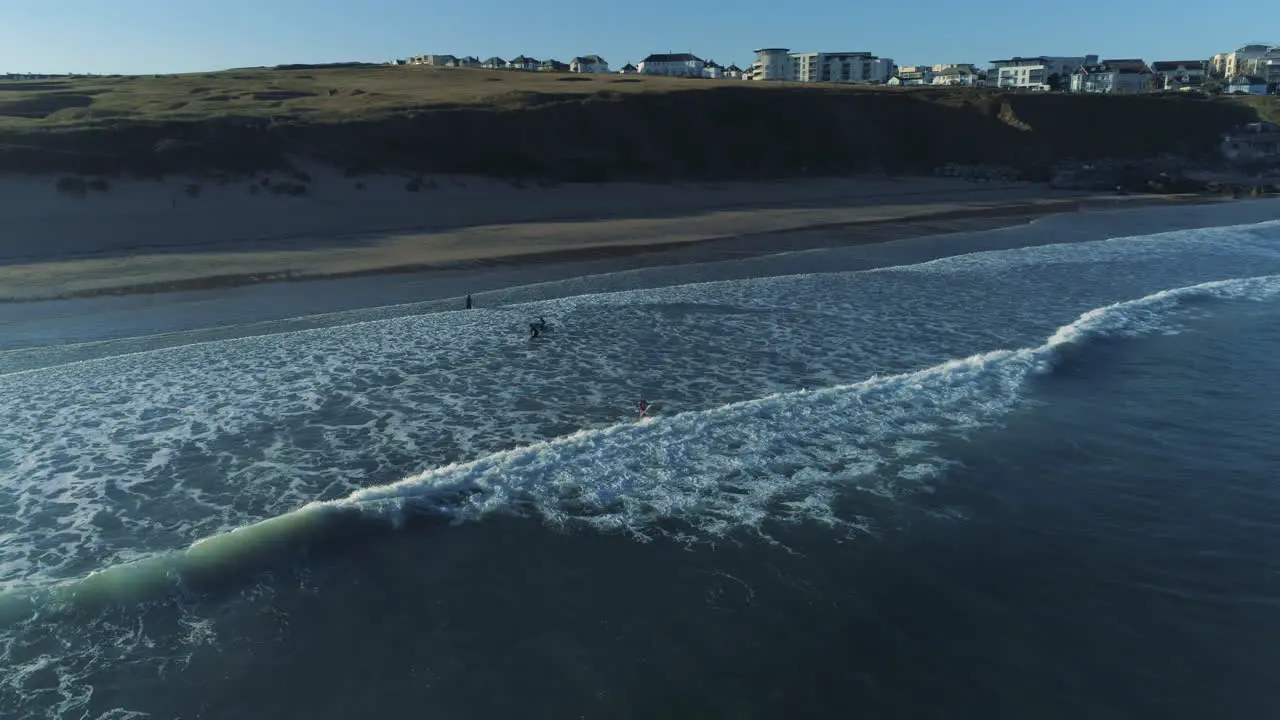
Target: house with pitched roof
(712, 69)
(1179, 74)
(628, 69)
(553, 66)
(951, 74)
(1125, 76)
(524, 63)
(588, 64)
(1246, 85)
(733, 72)
(679, 64)
(494, 63)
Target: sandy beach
(182, 234)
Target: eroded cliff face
(713, 133)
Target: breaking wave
(692, 476)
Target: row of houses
(670, 64)
(1125, 75)
(1252, 69)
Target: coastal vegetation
(577, 128)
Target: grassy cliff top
(316, 94)
(577, 127)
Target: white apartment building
(1243, 61)
(836, 67)
(1035, 73)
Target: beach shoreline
(135, 239)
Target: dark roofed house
(1247, 85)
(682, 64)
(494, 63)
(628, 69)
(1113, 76)
(588, 64)
(1179, 74)
(553, 66)
(523, 63)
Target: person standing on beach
(468, 301)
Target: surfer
(468, 301)
(643, 405)
(537, 328)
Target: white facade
(1112, 76)
(678, 64)
(523, 63)
(436, 60)
(956, 75)
(1035, 73)
(835, 67)
(588, 64)
(1244, 61)
(1271, 73)
(1247, 85)
(771, 64)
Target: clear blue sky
(162, 36)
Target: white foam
(691, 466)
(111, 460)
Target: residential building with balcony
(1039, 73)
(834, 67)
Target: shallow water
(1031, 482)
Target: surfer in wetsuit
(533, 330)
(643, 406)
(537, 328)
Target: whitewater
(826, 402)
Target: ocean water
(1020, 482)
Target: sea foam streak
(779, 458)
